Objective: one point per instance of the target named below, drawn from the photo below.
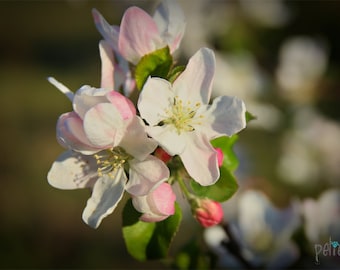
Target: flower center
(183, 116)
(111, 159)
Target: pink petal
(107, 61)
(162, 200)
(70, 134)
(146, 175)
(86, 97)
(138, 35)
(157, 205)
(104, 126)
(195, 82)
(200, 160)
(123, 104)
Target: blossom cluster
(149, 125)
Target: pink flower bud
(220, 156)
(157, 205)
(162, 155)
(209, 213)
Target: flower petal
(200, 160)
(157, 205)
(146, 175)
(136, 142)
(106, 194)
(107, 68)
(225, 116)
(70, 134)
(103, 125)
(86, 97)
(122, 103)
(194, 84)
(72, 171)
(168, 138)
(170, 21)
(138, 35)
(155, 99)
(109, 32)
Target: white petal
(170, 21)
(107, 68)
(195, 82)
(87, 97)
(72, 171)
(168, 138)
(226, 116)
(155, 98)
(200, 160)
(106, 194)
(62, 88)
(103, 125)
(136, 142)
(146, 175)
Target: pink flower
(209, 213)
(157, 205)
(140, 34)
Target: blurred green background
(41, 227)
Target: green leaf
(156, 64)
(250, 117)
(146, 240)
(175, 72)
(192, 256)
(163, 235)
(137, 234)
(221, 191)
(230, 160)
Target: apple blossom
(183, 122)
(104, 137)
(157, 205)
(140, 34)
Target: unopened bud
(220, 156)
(208, 213)
(162, 155)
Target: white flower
(105, 137)
(183, 122)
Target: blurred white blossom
(266, 242)
(302, 63)
(240, 75)
(322, 217)
(273, 13)
(310, 150)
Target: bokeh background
(281, 57)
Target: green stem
(184, 189)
